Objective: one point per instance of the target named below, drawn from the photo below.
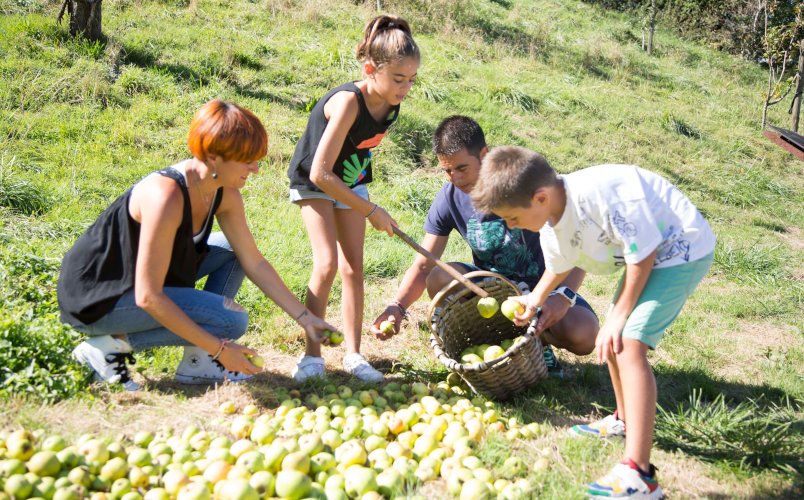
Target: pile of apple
(486, 352)
(344, 444)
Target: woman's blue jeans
(206, 307)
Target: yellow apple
(487, 307)
(510, 308)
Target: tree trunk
(85, 19)
(652, 26)
(795, 109)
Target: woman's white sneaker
(197, 367)
(107, 356)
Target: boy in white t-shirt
(601, 219)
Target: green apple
(114, 469)
(263, 482)
(257, 361)
(487, 307)
(227, 408)
(335, 338)
(359, 480)
(236, 489)
(475, 489)
(389, 482)
(94, 450)
(73, 492)
(471, 359)
(242, 426)
(174, 480)
(18, 486)
(120, 487)
(511, 492)
(157, 494)
(292, 484)
(44, 463)
(54, 443)
(194, 491)
(80, 476)
(251, 460)
(298, 460)
(387, 327)
(510, 308)
(45, 487)
(19, 447)
(493, 352)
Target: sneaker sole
(191, 380)
(572, 432)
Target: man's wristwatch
(567, 293)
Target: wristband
(220, 349)
(400, 306)
(301, 315)
(372, 211)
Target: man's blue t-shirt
(514, 253)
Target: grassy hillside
(80, 122)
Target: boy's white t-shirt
(617, 215)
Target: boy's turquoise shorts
(662, 299)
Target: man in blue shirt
(567, 320)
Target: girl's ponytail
(386, 39)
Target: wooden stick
(443, 265)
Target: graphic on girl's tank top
(354, 170)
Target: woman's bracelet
(372, 211)
(301, 315)
(400, 306)
(220, 349)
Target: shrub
(34, 346)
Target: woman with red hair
(129, 280)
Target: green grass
(80, 122)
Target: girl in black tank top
(328, 173)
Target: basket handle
(446, 267)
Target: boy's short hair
(509, 175)
(458, 132)
(227, 130)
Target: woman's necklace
(197, 183)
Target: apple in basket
(487, 307)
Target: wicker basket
(456, 325)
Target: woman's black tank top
(100, 267)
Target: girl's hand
(233, 358)
(313, 326)
(523, 318)
(609, 341)
(382, 221)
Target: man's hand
(394, 314)
(553, 310)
